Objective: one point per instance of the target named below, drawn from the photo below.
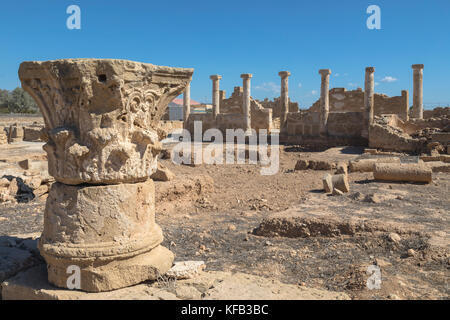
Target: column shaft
(284, 99)
(186, 103)
(215, 94)
(324, 99)
(417, 111)
(246, 100)
(369, 90)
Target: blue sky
(233, 37)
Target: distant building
(175, 109)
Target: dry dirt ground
(218, 226)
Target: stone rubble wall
(275, 106)
(232, 116)
(342, 100)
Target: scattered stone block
(162, 173)
(13, 260)
(341, 168)
(407, 172)
(366, 165)
(186, 269)
(302, 164)
(34, 165)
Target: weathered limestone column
(186, 103)
(222, 96)
(284, 98)
(246, 100)
(215, 94)
(405, 96)
(324, 99)
(369, 90)
(101, 118)
(417, 110)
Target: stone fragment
(187, 293)
(13, 260)
(327, 184)
(366, 165)
(34, 165)
(186, 269)
(162, 173)
(4, 182)
(302, 164)
(408, 172)
(394, 237)
(341, 168)
(411, 252)
(340, 182)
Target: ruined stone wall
(342, 100)
(386, 137)
(275, 106)
(437, 112)
(259, 120)
(232, 116)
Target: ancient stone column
(246, 100)
(369, 90)
(417, 110)
(186, 103)
(324, 99)
(101, 118)
(284, 98)
(215, 94)
(222, 96)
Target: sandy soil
(218, 227)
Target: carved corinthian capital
(101, 115)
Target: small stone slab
(186, 269)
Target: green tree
(21, 102)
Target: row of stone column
(218, 95)
(369, 91)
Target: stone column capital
(370, 69)
(417, 66)
(100, 114)
(325, 72)
(215, 77)
(284, 74)
(246, 75)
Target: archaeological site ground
(122, 186)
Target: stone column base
(98, 277)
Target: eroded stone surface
(101, 115)
(32, 285)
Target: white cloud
(299, 85)
(336, 75)
(353, 85)
(376, 84)
(389, 79)
(269, 87)
(314, 92)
